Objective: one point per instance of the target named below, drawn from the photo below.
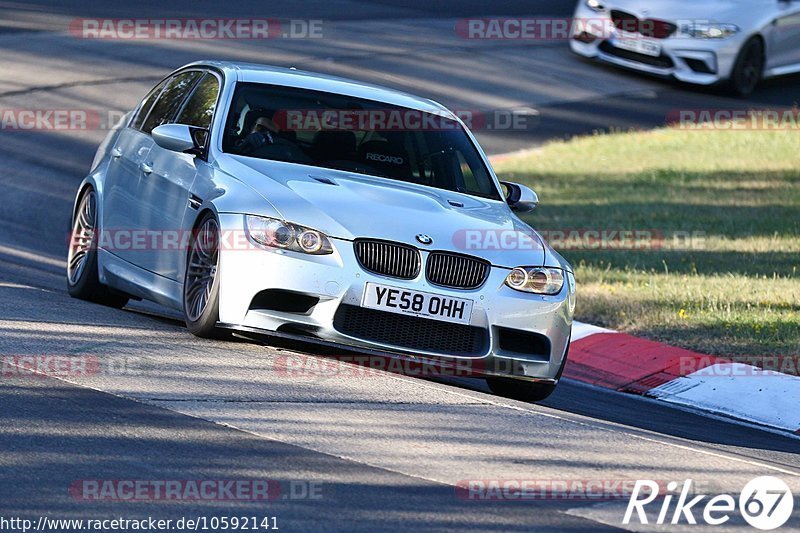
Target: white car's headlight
(275, 233)
(538, 280)
(595, 5)
(711, 30)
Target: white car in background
(738, 42)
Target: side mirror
(176, 138)
(519, 197)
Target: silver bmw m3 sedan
(272, 201)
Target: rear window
(340, 132)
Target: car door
(170, 183)
(137, 204)
(784, 39)
(127, 155)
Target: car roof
(290, 77)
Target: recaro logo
(385, 158)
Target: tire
(201, 283)
(748, 69)
(82, 275)
(526, 391)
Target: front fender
(223, 193)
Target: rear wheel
(748, 68)
(82, 277)
(201, 285)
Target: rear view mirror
(519, 197)
(174, 137)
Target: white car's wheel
(82, 277)
(748, 68)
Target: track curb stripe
(625, 363)
(629, 364)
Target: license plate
(416, 303)
(639, 45)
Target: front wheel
(527, 391)
(748, 69)
(82, 276)
(201, 284)
(516, 389)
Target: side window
(170, 100)
(147, 103)
(200, 107)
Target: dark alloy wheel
(201, 286)
(82, 276)
(748, 69)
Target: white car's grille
(456, 271)
(655, 28)
(388, 259)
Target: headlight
(711, 31)
(595, 5)
(537, 280)
(275, 233)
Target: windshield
(340, 132)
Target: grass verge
(721, 276)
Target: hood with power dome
(348, 206)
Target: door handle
(146, 169)
(116, 153)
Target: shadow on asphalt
(604, 405)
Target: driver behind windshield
(261, 134)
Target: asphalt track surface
(386, 450)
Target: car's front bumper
(338, 280)
(697, 61)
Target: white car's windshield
(352, 134)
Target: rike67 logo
(765, 503)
